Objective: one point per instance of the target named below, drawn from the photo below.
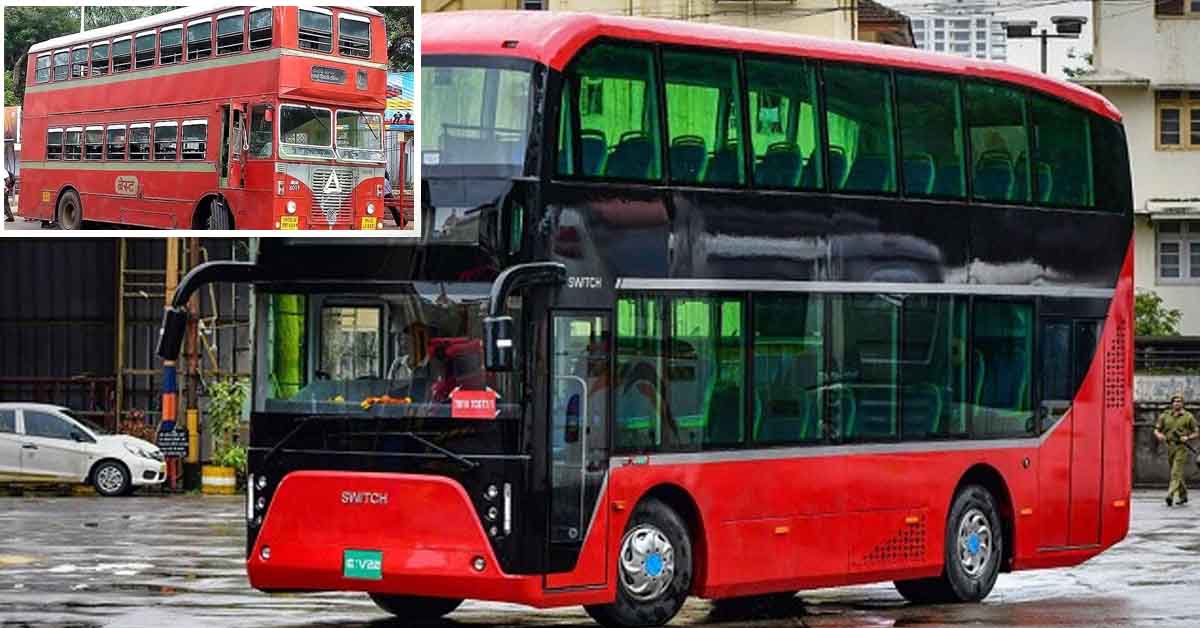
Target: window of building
(195, 140)
(62, 62)
(784, 124)
(981, 23)
(960, 24)
(931, 136)
(940, 47)
(939, 23)
(122, 54)
(354, 36)
(100, 59)
(42, 74)
(789, 363)
(859, 123)
(999, 143)
(1178, 119)
(93, 143)
(1002, 341)
(199, 35)
(72, 146)
(166, 141)
(54, 145)
(1178, 251)
(939, 35)
(533, 5)
(962, 48)
(262, 23)
(961, 35)
(170, 45)
(231, 32)
(79, 62)
(143, 47)
(703, 118)
(1062, 154)
(139, 142)
(116, 142)
(316, 30)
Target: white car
(45, 443)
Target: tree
(400, 34)
(1152, 318)
(1080, 63)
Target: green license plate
(362, 564)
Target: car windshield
(475, 115)
(359, 136)
(305, 132)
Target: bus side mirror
(498, 343)
(170, 335)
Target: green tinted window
(618, 135)
(640, 404)
(999, 143)
(934, 369)
(789, 359)
(1062, 150)
(1003, 369)
(1110, 158)
(862, 152)
(703, 120)
(784, 131)
(706, 372)
(931, 136)
(864, 367)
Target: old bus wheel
(654, 569)
(70, 211)
(974, 549)
(414, 608)
(219, 218)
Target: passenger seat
(631, 158)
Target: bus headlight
(291, 207)
(370, 209)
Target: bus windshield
(403, 353)
(359, 136)
(475, 115)
(304, 132)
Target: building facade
(963, 28)
(1145, 62)
(882, 25)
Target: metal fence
(1167, 354)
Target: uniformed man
(1176, 427)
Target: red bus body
(175, 193)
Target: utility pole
(1065, 26)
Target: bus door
(232, 144)
(578, 454)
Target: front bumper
(145, 472)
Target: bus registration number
(289, 223)
(368, 222)
(473, 404)
(362, 564)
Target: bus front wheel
(220, 218)
(415, 608)
(974, 550)
(654, 569)
(70, 211)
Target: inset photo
(209, 118)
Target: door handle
(29, 446)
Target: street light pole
(1065, 26)
(1045, 39)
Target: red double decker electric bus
(702, 311)
(210, 118)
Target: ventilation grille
(332, 202)
(907, 546)
(1114, 369)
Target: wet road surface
(155, 562)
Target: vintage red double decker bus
(210, 118)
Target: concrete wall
(1152, 394)
(1131, 38)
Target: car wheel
(111, 478)
(70, 211)
(654, 569)
(415, 608)
(974, 550)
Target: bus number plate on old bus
(289, 223)
(362, 564)
(368, 222)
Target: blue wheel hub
(654, 565)
(973, 543)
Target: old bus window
(79, 62)
(354, 36)
(261, 23)
(143, 48)
(170, 45)
(43, 69)
(999, 144)
(640, 395)
(1110, 164)
(1002, 337)
(864, 366)
(706, 373)
(62, 59)
(784, 126)
(934, 370)
(231, 32)
(54, 145)
(316, 30)
(1062, 154)
(261, 131)
(99, 59)
(618, 111)
(116, 142)
(789, 362)
(139, 142)
(93, 143)
(931, 136)
(351, 343)
(72, 147)
(304, 131)
(703, 118)
(199, 40)
(122, 54)
(862, 151)
(195, 140)
(166, 140)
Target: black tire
(666, 595)
(70, 211)
(415, 608)
(219, 216)
(110, 478)
(768, 606)
(972, 562)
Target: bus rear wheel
(70, 211)
(654, 569)
(974, 550)
(415, 608)
(220, 218)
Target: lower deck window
(72, 149)
(54, 145)
(166, 141)
(93, 145)
(139, 142)
(195, 140)
(116, 143)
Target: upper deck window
(231, 33)
(999, 143)
(862, 148)
(703, 118)
(122, 54)
(100, 59)
(316, 30)
(79, 62)
(1062, 154)
(354, 36)
(785, 130)
(143, 48)
(931, 132)
(62, 60)
(199, 45)
(170, 45)
(261, 23)
(304, 132)
(43, 69)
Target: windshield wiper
(469, 464)
(313, 112)
(302, 423)
(378, 139)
